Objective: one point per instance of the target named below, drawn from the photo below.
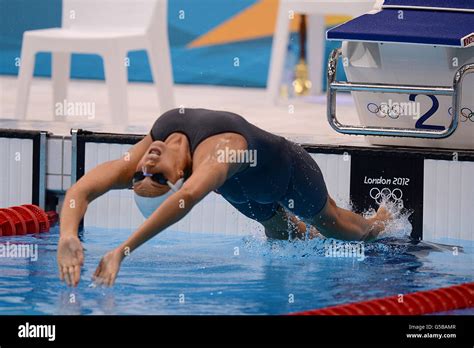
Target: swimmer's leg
(277, 227)
(335, 222)
(283, 224)
(270, 215)
(308, 198)
(277, 222)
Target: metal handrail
(334, 86)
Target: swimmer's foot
(378, 223)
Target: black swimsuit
(283, 173)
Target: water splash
(399, 226)
(393, 241)
(317, 248)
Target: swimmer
(192, 152)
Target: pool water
(184, 273)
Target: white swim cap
(147, 205)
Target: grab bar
(334, 86)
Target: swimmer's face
(158, 158)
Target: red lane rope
(416, 303)
(25, 219)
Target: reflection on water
(72, 302)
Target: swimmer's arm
(116, 174)
(70, 254)
(109, 175)
(204, 180)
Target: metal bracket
(334, 86)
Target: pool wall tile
(16, 160)
(54, 182)
(448, 195)
(54, 156)
(336, 170)
(58, 163)
(66, 182)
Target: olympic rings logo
(381, 195)
(394, 111)
(466, 114)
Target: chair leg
(116, 79)
(25, 76)
(160, 64)
(61, 67)
(279, 49)
(316, 46)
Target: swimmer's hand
(70, 259)
(378, 222)
(108, 268)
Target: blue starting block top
(449, 5)
(442, 28)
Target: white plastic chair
(316, 39)
(109, 28)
